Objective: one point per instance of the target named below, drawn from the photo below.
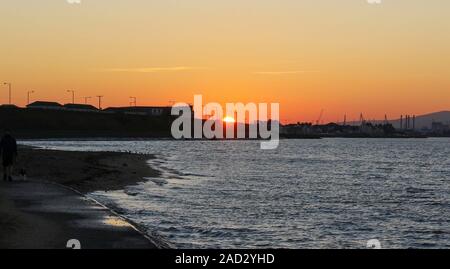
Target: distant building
(80, 108)
(439, 128)
(142, 110)
(45, 105)
(296, 129)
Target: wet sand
(43, 213)
(85, 171)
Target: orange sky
(345, 57)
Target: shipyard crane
(361, 119)
(320, 117)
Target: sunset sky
(343, 56)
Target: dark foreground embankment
(41, 123)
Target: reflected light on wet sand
(116, 222)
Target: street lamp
(86, 99)
(133, 101)
(9, 87)
(73, 95)
(28, 96)
(99, 101)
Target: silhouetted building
(141, 110)
(6, 106)
(45, 105)
(80, 108)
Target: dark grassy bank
(38, 123)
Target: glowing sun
(229, 119)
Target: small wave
(131, 193)
(194, 175)
(415, 190)
(158, 181)
(433, 232)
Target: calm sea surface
(330, 193)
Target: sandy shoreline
(37, 214)
(85, 171)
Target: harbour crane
(361, 119)
(320, 117)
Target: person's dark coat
(8, 150)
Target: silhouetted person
(8, 150)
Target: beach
(49, 208)
(85, 171)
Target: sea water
(328, 193)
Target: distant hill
(425, 121)
(422, 121)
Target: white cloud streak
(149, 69)
(284, 72)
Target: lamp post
(73, 95)
(28, 96)
(9, 88)
(99, 101)
(86, 99)
(133, 101)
